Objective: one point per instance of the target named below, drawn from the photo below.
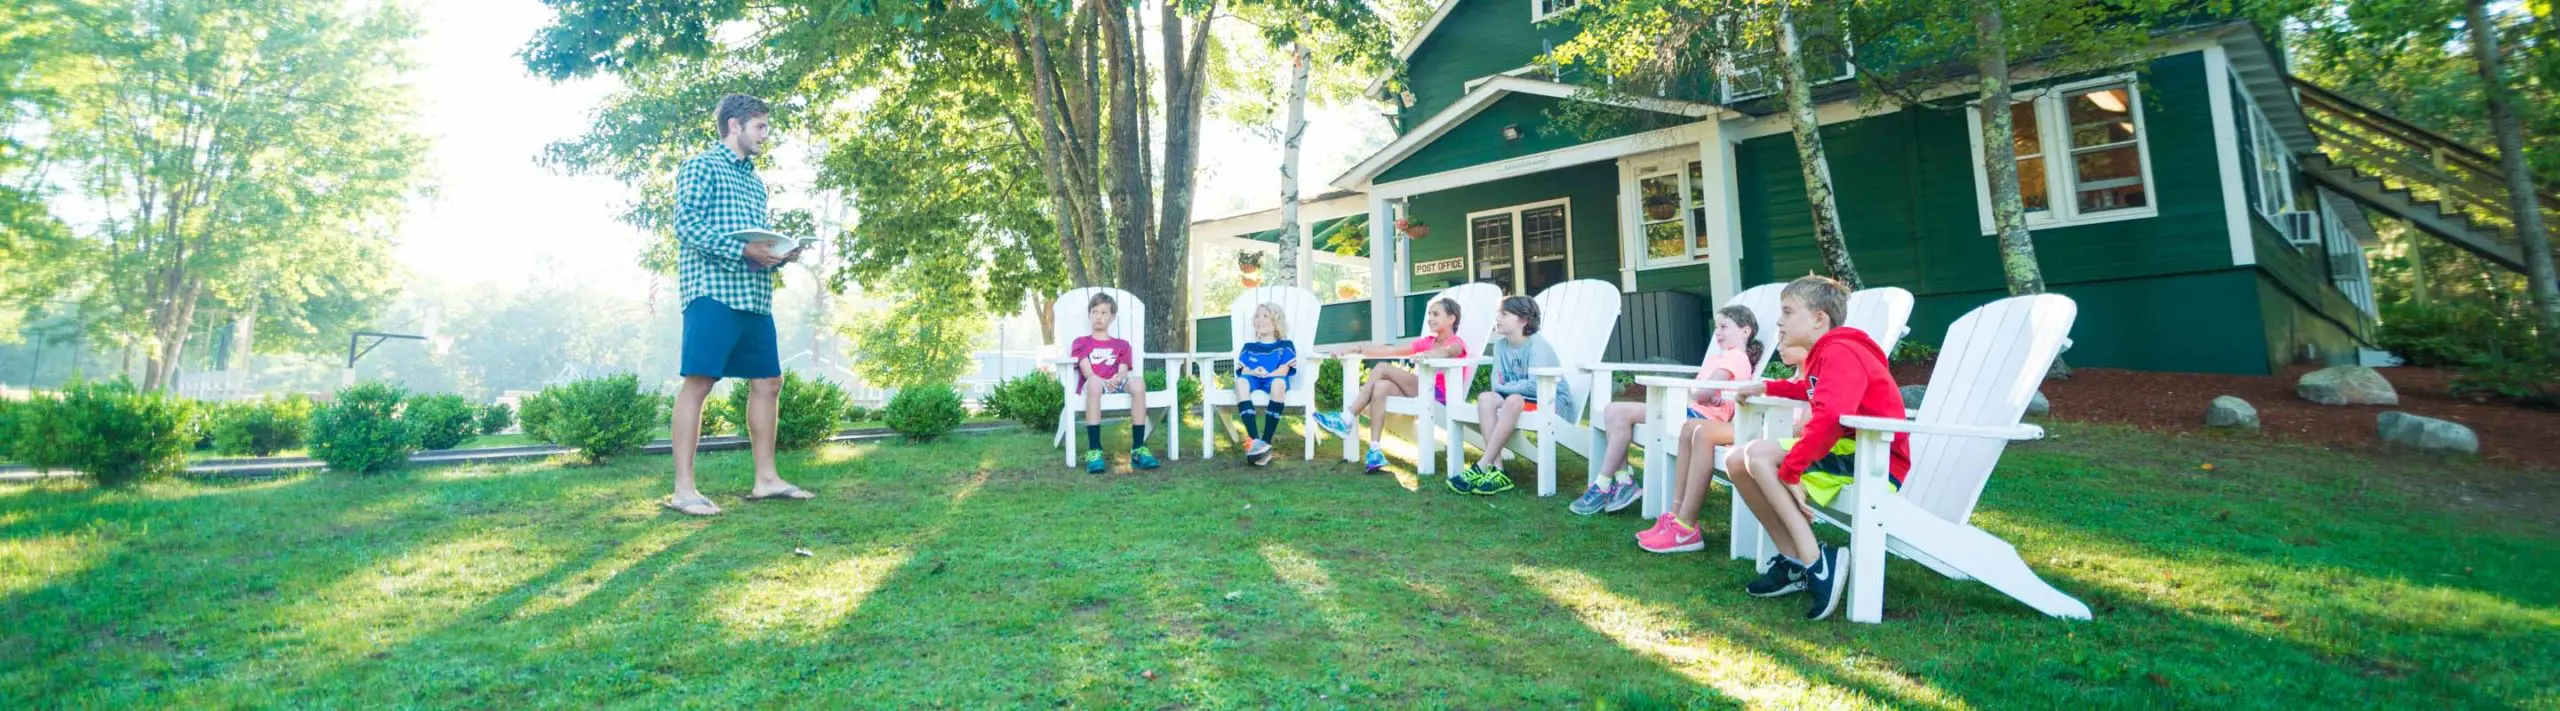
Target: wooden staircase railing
(2427, 168)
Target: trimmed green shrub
(2453, 335)
(262, 428)
(110, 431)
(1329, 385)
(924, 412)
(1033, 400)
(361, 430)
(496, 418)
(1914, 352)
(810, 411)
(602, 417)
(719, 418)
(441, 421)
(9, 410)
(857, 414)
(1188, 389)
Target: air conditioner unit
(2300, 229)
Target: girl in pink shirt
(1738, 346)
(1439, 340)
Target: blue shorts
(722, 342)
(1263, 385)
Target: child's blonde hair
(1279, 322)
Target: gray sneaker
(1591, 502)
(1623, 495)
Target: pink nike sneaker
(1674, 538)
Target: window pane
(1698, 229)
(1665, 240)
(1339, 282)
(1493, 250)
(2024, 136)
(2110, 180)
(1542, 233)
(1697, 184)
(2101, 117)
(1661, 196)
(2031, 185)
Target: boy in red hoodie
(1845, 374)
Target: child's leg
(1391, 381)
(1620, 422)
(1776, 507)
(1093, 388)
(1497, 429)
(1244, 407)
(1136, 384)
(1697, 473)
(1488, 409)
(1271, 412)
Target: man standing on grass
(727, 288)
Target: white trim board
(1519, 241)
(2226, 153)
(1568, 156)
(1484, 96)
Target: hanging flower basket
(1661, 208)
(1413, 228)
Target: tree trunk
(1817, 169)
(170, 332)
(1290, 138)
(2520, 188)
(1186, 93)
(2000, 163)
(1051, 104)
(1128, 187)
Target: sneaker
(1783, 577)
(1093, 461)
(1674, 538)
(1659, 522)
(1591, 501)
(1259, 453)
(1622, 495)
(1143, 458)
(1332, 422)
(1492, 481)
(1463, 482)
(1376, 461)
(1826, 580)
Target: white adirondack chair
(1992, 362)
(1657, 437)
(1576, 317)
(1300, 309)
(1068, 321)
(1883, 312)
(1476, 303)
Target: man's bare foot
(694, 505)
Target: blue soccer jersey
(1266, 356)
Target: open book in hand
(781, 244)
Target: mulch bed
(2177, 402)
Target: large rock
(2346, 385)
(2039, 406)
(2426, 434)
(1911, 395)
(2228, 411)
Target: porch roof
(1362, 176)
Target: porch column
(1385, 313)
(1724, 212)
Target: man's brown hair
(1821, 293)
(740, 107)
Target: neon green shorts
(1825, 478)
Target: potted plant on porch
(1249, 265)
(1413, 227)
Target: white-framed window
(1522, 248)
(1540, 10)
(1670, 210)
(1746, 75)
(2083, 154)
(2283, 197)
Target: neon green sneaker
(1093, 461)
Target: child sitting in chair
(1737, 348)
(1676, 531)
(1439, 340)
(1264, 369)
(1516, 349)
(1106, 365)
(1845, 373)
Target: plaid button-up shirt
(717, 193)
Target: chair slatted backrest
(1762, 300)
(1577, 318)
(1299, 311)
(1884, 313)
(1993, 361)
(1476, 303)
(1068, 320)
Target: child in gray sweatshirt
(1516, 349)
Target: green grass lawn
(980, 572)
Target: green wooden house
(2189, 206)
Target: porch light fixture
(1511, 132)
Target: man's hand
(794, 256)
(761, 255)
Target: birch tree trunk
(1817, 168)
(1293, 133)
(2000, 162)
(2520, 187)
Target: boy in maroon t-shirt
(1106, 365)
(1844, 374)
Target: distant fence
(217, 386)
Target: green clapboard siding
(1479, 38)
(1478, 140)
(1344, 322)
(1592, 189)
(2182, 323)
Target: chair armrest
(1553, 372)
(1767, 401)
(1363, 357)
(1640, 368)
(1179, 356)
(1655, 381)
(1458, 362)
(1887, 424)
(1060, 360)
